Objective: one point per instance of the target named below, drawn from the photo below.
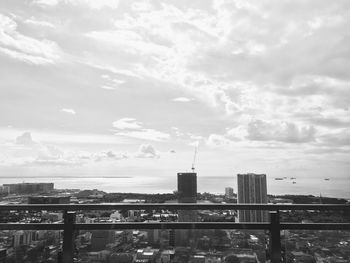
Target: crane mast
(194, 158)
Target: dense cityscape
(170, 246)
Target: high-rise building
(187, 187)
(228, 192)
(252, 189)
(187, 193)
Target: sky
(131, 88)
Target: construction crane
(194, 157)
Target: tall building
(187, 187)
(252, 189)
(228, 192)
(187, 193)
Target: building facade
(187, 193)
(252, 189)
(228, 192)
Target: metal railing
(274, 226)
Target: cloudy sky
(130, 87)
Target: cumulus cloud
(35, 153)
(328, 118)
(25, 139)
(109, 155)
(118, 81)
(25, 48)
(147, 151)
(69, 111)
(112, 69)
(237, 133)
(52, 155)
(43, 154)
(259, 130)
(107, 87)
(57, 160)
(110, 83)
(128, 40)
(88, 3)
(177, 131)
(50, 152)
(46, 2)
(264, 133)
(337, 138)
(129, 127)
(256, 53)
(195, 137)
(36, 22)
(146, 134)
(333, 92)
(218, 140)
(194, 143)
(127, 123)
(182, 99)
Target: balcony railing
(274, 226)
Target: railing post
(68, 237)
(275, 237)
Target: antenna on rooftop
(194, 157)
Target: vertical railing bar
(275, 237)
(68, 237)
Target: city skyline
(129, 89)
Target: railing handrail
(175, 206)
(175, 225)
(274, 226)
